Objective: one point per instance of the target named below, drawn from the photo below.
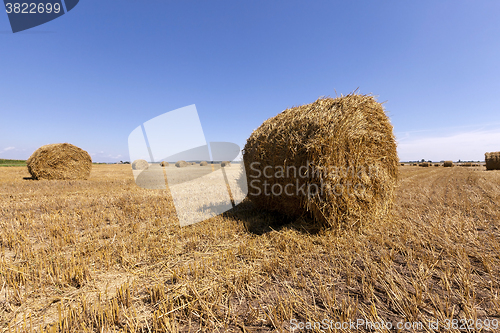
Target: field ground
(104, 255)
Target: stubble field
(104, 255)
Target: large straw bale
(60, 161)
(203, 163)
(182, 164)
(334, 160)
(140, 165)
(448, 164)
(492, 160)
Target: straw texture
(492, 160)
(448, 164)
(182, 164)
(60, 161)
(140, 165)
(347, 152)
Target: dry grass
(104, 255)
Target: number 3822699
(32, 8)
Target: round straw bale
(203, 163)
(164, 164)
(424, 164)
(448, 164)
(225, 164)
(60, 161)
(402, 164)
(492, 160)
(181, 164)
(436, 164)
(140, 165)
(334, 160)
(414, 164)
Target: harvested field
(104, 255)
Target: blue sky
(93, 75)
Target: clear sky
(93, 75)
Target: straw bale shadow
(258, 221)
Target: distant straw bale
(424, 164)
(334, 160)
(140, 165)
(492, 160)
(203, 163)
(60, 161)
(448, 164)
(164, 164)
(402, 164)
(225, 164)
(181, 164)
(436, 164)
(414, 164)
(466, 164)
